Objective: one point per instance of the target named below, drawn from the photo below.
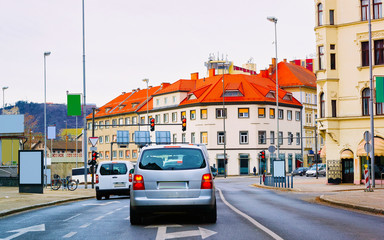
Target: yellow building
(343, 82)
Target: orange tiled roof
(294, 75)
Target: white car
(321, 170)
(112, 178)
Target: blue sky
(127, 41)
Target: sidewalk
(346, 195)
(11, 201)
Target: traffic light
(94, 157)
(262, 155)
(184, 124)
(152, 124)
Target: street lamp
(274, 20)
(147, 80)
(4, 88)
(45, 115)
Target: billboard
(11, 124)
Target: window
(174, 117)
(280, 138)
(332, 46)
(365, 103)
(183, 114)
(134, 153)
(174, 138)
(203, 113)
(243, 112)
(322, 106)
(106, 139)
(319, 14)
(220, 138)
(100, 139)
(114, 138)
(134, 120)
(272, 113)
(165, 101)
(272, 137)
(297, 116)
(297, 138)
(114, 123)
(290, 138)
(221, 113)
(106, 154)
(121, 121)
(289, 115)
(379, 52)
(157, 102)
(204, 137)
(333, 61)
(308, 118)
(379, 108)
(364, 10)
(142, 120)
(90, 125)
(332, 17)
(244, 137)
(114, 154)
(101, 123)
(149, 119)
(377, 9)
(121, 154)
(281, 114)
(127, 120)
(321, 57)
(192, 114)
(261, 112)
(174, 99)
(157, 118)
(101, 155)
(364, 54)
(262, 137)
(193, 140)
(127, 153)
(166, 117)
(183, 138)
(333, 103)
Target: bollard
(288, 181)
(292, 181)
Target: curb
(353, 206)
(22, 209)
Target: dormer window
(107, 109)
(233, 93)
(288, 97)
(121, 107)
(134, 104)
(191, 96)
(271, 94)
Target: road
(245, 212)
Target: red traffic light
(262, 155)
(184, 124)
(152, 124)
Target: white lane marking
(69, 235)
(72, 217)
(99, 204)
(109, 213)
(21, 231)
(98, 218)
(127, 218)
(85, 225)
(253, 221)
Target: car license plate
(172, 185)
(119, 184)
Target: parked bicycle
(67, 182)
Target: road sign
(367, 147)
(271, 149)
(93, 140)
(367, 136)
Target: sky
(127, 41)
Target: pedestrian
(254, 170)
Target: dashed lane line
(72, 217)
(69, 235)
(85, 225)
(253, 221)
(98, 218)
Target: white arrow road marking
(162, 232)
(253, 221)
(21, 231)
(69, 235)
(100, 204)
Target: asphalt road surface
(244, 212)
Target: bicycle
(67, 182)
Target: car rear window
(113, 169)
(172, 159)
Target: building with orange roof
(302, 84)
(343, 85)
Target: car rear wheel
(98, 196)
(134, 217)
(212, 215)
(106, 197)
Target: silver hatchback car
(172, 178)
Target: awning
(323, 152)
(379, 147)
(346, 154)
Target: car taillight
(138, 182)
(130, 177)
(206, 181)
(97, 178)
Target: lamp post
(147, 80)
(274, 20)
(45, 115)
(4, 88)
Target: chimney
(212, 72)
(285, 60)
(270, 69)
(123, 93)
(273, 62)
(264, 73)
(194, 76)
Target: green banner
(380, 89)
(74, 105)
